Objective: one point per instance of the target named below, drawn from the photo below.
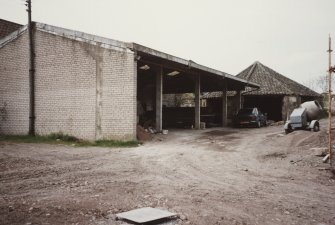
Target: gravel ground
(212, 176)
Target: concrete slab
(145, 215)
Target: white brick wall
(14, 87)
(65, 87)
(81, 89)
(119, 95)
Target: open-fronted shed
(277, 95)
(94, 88)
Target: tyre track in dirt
(243, 170)
(212, 176)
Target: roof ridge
(273, 83)
(266, 69)
(280, 76)
(251, 70)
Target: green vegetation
(59, 138)
(323, 114)
(110, 143)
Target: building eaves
(118, 45)
(217, 94)
(189, 63)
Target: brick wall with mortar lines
(14, 87)
(84, 90)
(65, 87)
(70, 97)
(119, 95)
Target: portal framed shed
(168, 74)
(89, 86)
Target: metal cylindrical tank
(313, 109)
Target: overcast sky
(290, 36)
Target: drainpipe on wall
(31, 73)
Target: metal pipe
(31, 72)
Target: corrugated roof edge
(190, 63)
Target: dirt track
(212, 176)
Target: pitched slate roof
(7, 27)
(272, 82)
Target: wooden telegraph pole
(330, 71)
(31, 72)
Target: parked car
(250, 117)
